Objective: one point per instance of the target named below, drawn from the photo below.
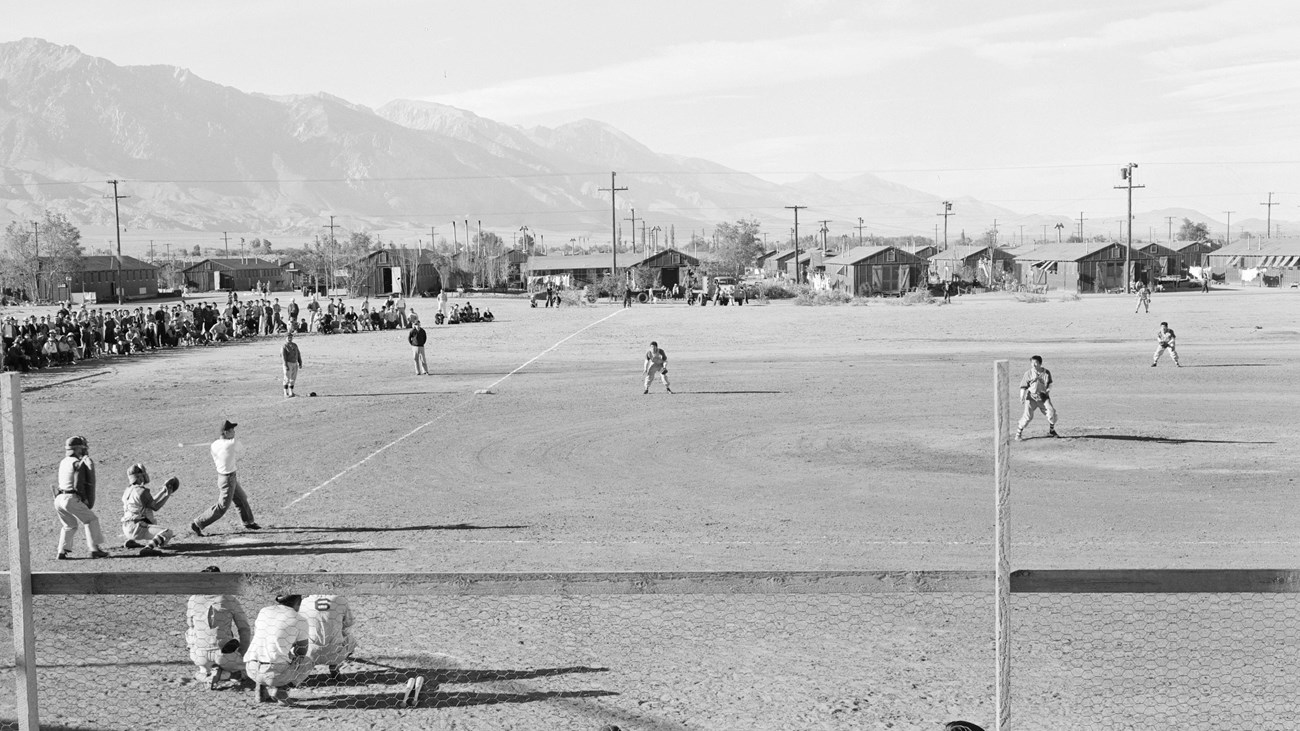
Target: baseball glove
(232, 645)
(173, 484)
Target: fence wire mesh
(653, 662)
(1149, 661)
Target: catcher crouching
(138, 506)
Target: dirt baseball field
(797, 438)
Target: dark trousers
(228, 490)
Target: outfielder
(214, 648)
(292, 358)
(277, 658)
(1034, 387)
(74, 499)
(329, 630)
(1166, 340)
(656, 363)
(138, 506)
(1144, 298)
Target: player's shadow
(1161, 440)
(65, 381)
(724, 393)
(385, 393)
(395, 528)
(393, 682)
(275, 548)
(1231, 365)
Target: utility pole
(633, 219)
(613, 219)
(1227, 237)
(36, 246)
(645, 249)
(947, 211)
(1126, 173)
(825, 230)
(1170, 221)
(1059, 227)
(1022, 234)
(331, 227)
(1081, 225)
(796, 240)
(859, 230)
(433, 239)
(226, 238)
(1268, 231)
(117, 225)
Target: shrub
(919, 297)
(774, 290)
(1030, 297)
(1070, 297)
(822, 297)
(573, 297)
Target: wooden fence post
(20, 566)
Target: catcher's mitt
(173, 484)
(232, 645)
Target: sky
(1033, 105)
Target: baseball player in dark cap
(229, 490)
(74, 499)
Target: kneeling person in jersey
(214, 647)
(277, 658)
(329, 629)
(138, 506)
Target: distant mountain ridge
(198, 156)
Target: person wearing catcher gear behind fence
(214, 648)
(74, 499)
(138, 506)
(1034, 387)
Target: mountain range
(198, 157)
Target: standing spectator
(442, 302)
(224, 451)
(293, 313)
(277, 658)
(417, 337)
(213, 646)
(401, 311)
(292, 361)
(627, 295)
(74, 500)
(313, 308)
(550, 293)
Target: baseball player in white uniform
(1166, 340)
(656, 363)
(138, 506)
(214, 648)
(329, 629)
(1034, 387)
(74, 499)
(277, 657)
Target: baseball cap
(228, 425)
(76, 442)
(961, 726)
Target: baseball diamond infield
(798, 438)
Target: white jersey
(329, 619)
(277, 630)
(209, 617)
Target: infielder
(1144, 298)
(214, 648)
(656, 363)
(1034, 387)
(329, 630)
(1166, 340)
(277, 657)
(138, 506)
(229, 490)
(74, 499)
(292, 358)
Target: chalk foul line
(454, 408)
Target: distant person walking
(1034, 388)
(224, 452)
(292, 361)
(1166, 340)
(656, 363)
(417, 337)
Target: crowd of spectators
(76, 333)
